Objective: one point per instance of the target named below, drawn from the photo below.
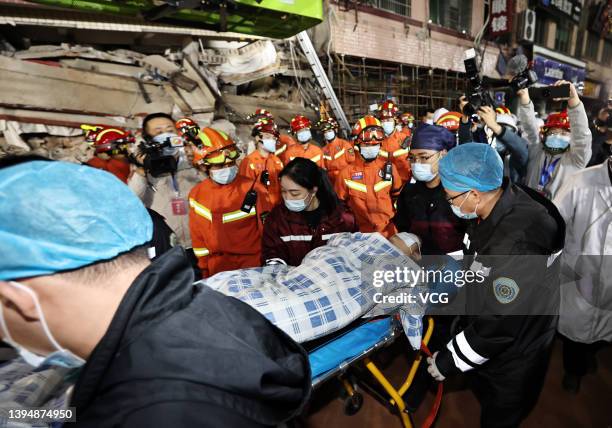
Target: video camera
(477, 95)
(161, 153)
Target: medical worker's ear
(19, 300)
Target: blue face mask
(61, 357)
(304, 136)
(557, 142)
(467, 216)
(388, 127)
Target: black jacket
(177, 354)
(426, 213)
(512, 313)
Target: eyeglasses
(420, 159)
(450, 200)
(370, 134)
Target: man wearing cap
(504, 337)
(147, 346)
(421, 207)
(566, 145)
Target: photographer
(470, 130)
(564, 150)
(166, 193)
(509, 145)
(601, 129)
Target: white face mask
(304, 136)
(388, 127)
(269, 144)
(398, 128)
(369, 152)
(329, 135)
(422, 172)
(60, 357)
(224, 175)
(298, 205)
(429, 121)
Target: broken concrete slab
(24, 84)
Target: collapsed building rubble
(48, 91)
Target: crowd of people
(79, 290)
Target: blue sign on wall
(549, 71)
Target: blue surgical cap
(432, 137)
(471, 166)
(58, 216)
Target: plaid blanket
(331, 288)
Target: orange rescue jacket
(392, 148)
(224, 237)
(337, 155)
(312, 152)
(371, 198)
(253, 166)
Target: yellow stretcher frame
(396, 395)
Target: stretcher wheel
(353, 403)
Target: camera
(523, 80)
(477, 95)
(161, 154)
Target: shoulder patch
(505, 290)
(357, 176)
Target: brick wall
(390, 40)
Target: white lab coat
(585, 202)
(572, 161)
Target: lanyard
(547, 171)
(175, 186)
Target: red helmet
(557, 120)
(299, 122)
(265, 126)
(107, 138)
(450, 120)
(188, 129)
(260, 114)
(388, 109)
(406, 118)
(503, 110)
(327, 124)
(368, 130)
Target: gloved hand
(433, 370)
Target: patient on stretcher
(332, 287)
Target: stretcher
(347, 356)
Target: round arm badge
(505, 289)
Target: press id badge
(179, 206)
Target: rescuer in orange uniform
(284, 141)
(262, 165)
(396, 144)
(226, 210)
(300, 127)
(337, 152)
(110, 144)
(370, 185)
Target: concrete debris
(48, 91)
